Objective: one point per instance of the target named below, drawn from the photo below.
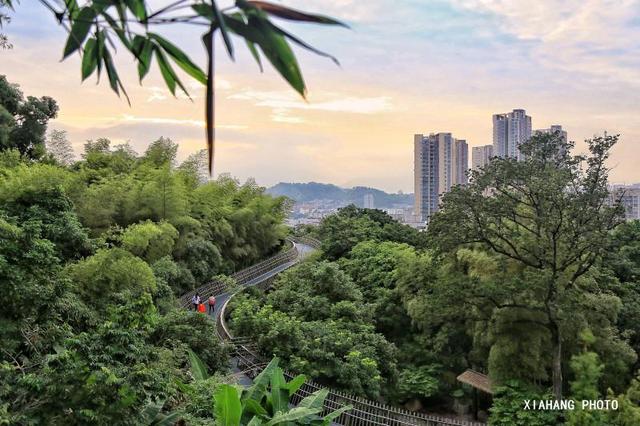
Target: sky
(407, 66)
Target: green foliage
(588, 370)
(161, 195)
(180, 330)
(375, 267)
(419, 382)
(508, 407)
(313, 320)
(110, 275)
(94, 26)
(29, 270)
(90, 330)
(149, 241)
(266, 402)
(624, 255)
(628, 412)
(59, 148)
(31, 195)
(546, 221)
(161, 152)
(23, 122)
(342, 231)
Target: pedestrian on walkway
(212, 304)
(195, 301)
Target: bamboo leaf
(114, 79)
(274, 46)
(89, 58)
(223, 28)
(111, 71)
(254, 52)
(293, 14)
(180, 58)
(207, 39)
(72, 8)
(138, 8)
(142, 49)
(213, 14)
(100, 48)
(168, 74)
(79, 30)
(122, 35)
(303, 44)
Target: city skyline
(353, 130)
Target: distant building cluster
(441, 161)
(312, 212)
(629, 196)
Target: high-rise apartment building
(460, 161)
(480, 156)
(509, 131)
(555, 128)
(368, 201)
(629, 197)
(440, 161)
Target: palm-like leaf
(248, 20)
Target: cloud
(176, 121)
(595, 38)
(282, 102)
(282, 115)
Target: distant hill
(304, 192)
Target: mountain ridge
(312, 191)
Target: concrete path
(303, 252)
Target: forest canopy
(94, 252)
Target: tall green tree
(548, 216)
(59, 147)
(161, 152)
(23, 122)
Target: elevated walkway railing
(364, 412)
(309, 241)
(217, 287)
(250, 363)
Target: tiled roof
(477, 380)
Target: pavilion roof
(477, 380)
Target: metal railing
(310, 241)
(364, 412)
(250, 363)
(217, 287)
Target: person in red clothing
(212, 304)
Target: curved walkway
(246, 363)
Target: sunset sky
(407, 67)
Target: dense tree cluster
(92, 256)
(527, 274)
